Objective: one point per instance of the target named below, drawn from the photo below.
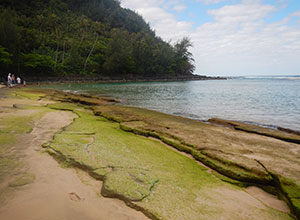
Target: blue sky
(195, 12)
(230, 37)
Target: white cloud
(296, 14)
(164, 23)
(236, 41)
(241, 12)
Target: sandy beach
(60, 161)
(56, 192)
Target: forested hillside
(87, 37)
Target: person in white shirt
(9, 80)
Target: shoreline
(209, 120)
(241, 109)
(104, 79)
(215, 121)
(173, 131)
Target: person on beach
(13, 79)
(9, 80)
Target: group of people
(12, 80)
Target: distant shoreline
(106, 79)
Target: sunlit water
(267, 101)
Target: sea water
(270, 101)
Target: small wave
(67, 90)
(77, 92)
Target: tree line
(88, 37)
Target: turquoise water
(262, 100)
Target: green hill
(84, 37)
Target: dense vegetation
(99, 37)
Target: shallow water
(263, 100)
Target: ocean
(263, 100)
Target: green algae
(22, 180)
(196, 138)
(292, 192)
(5, 140)
(28, 94)
(9, 161)
(64, 106)
(84, 99)
(148, 176)
(16, 124)
(9, 165)
(290, 188)
(251, 171)
(296, 206)
(233, 170)
(24, 123)
(9, 131)
(132, 184)
(230, 180)
(223, 163)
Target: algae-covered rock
(83, 99)
(130, 165)
(30, 94)
(22, 106)
(136, 127)
(63, 106)
(22, 180)
(296, 206)
(292, 192)
(282, 134)
(238, 167)
(289, 187)
(187, 135)
(133, 124)
(133, 185)
(16, 124)
(100, 173)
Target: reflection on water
(267, 101)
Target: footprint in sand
(74, 197)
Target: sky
(230, 37)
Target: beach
(84, 157)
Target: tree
(38, 63)
(10, 32)
(5, 57)
(85, 37)
(119, 54)
(183, 58)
